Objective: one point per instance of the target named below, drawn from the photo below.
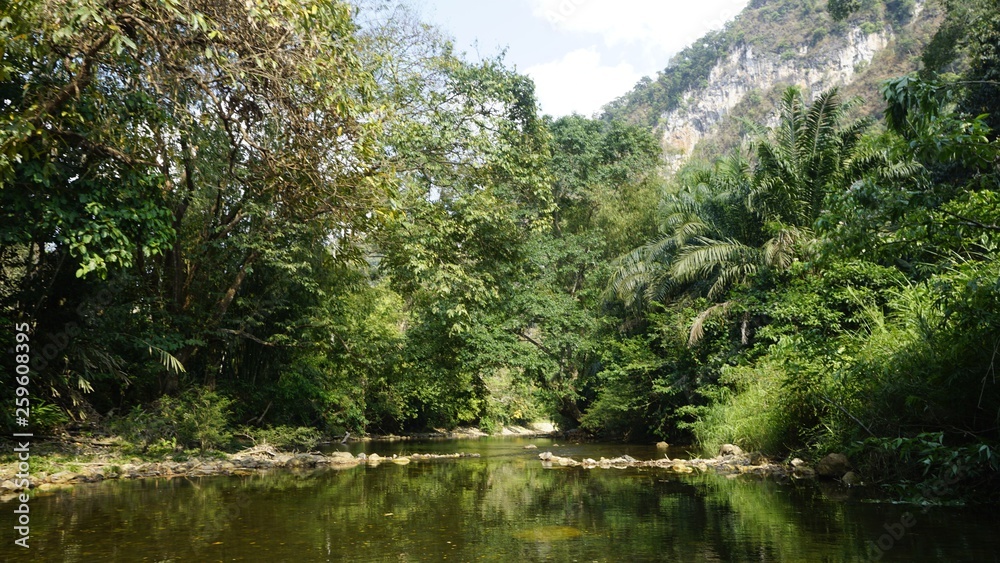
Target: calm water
(501, 507)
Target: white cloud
(580, 82)
(665, 26)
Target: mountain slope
(697, 103)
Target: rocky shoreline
(247, 462)
(731, 461)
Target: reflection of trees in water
(470, 509)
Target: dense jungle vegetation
(244, 216)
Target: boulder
(662, 446)
(531, 447)
(850, 479)
(833, 465)
(342, 457)
(730, 449)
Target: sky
(581, 54)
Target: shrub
(284, 437)
(197, 418)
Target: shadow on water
(501, 507)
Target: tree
(171, 149)
(728, 225)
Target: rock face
(833, 466)
(744, 70)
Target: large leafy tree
(469, 151)
(604, 188)
(171, 149)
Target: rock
(756, 458)
(803, 472)
(797, 462)
(9, 485)
(531, 447)
(730, 449)
(563, 461)
(343, 457)
(401, 460)
(64, 477)
(662, 445)
(306, 460)
(362, 456)
(851, 479)
(833, 465)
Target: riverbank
(59, 468)
(56, 465)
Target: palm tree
(726, 225)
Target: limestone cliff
(743, 71)
(738, 72)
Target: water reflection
(501, 507)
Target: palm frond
(698, 324)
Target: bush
(197, 418)
(284, 437)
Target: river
(503, 506)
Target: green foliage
(47, 418)
(197, 418)
(926, 471)
(289, 438)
